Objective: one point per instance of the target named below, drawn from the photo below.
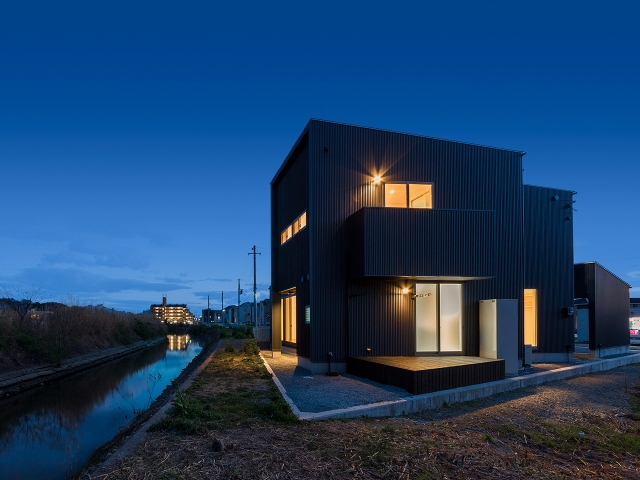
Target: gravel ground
(319, 393)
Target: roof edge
(305, 130)
(520, 152)
(606, 270)
(573, 192)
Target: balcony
(422, 243)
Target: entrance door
(438, 318)
(288, 303)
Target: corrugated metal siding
(290, 261)
(408, 242)
(548, 234)
(380, 318)
(608, 305)
(343, 162)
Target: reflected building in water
(178, 342)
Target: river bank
(52, 431)
(23, 379)
(231, 424)
(129, 437)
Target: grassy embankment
(64, 331)
(233, 423)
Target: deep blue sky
(137, 141)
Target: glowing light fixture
(392, 192)
(405, 290)
(376, 179)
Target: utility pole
(255, 291)
(238, 309)
(222, 308)
(208, 310)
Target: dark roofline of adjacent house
(306, 129)
(572, 192)
(606, 270)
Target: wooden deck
(427, 374)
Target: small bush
(251, 348)
(229, 348)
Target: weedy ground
(233, 423)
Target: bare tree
(20, 300)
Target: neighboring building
(211, 316)
(172, 313)
(230, 315)
(602, 319)
(384, 244)
(634, 320)
(264, 312)
(244, 313)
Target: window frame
(407, 194)
(293, 228)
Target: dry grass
(66, 331)
(581, 428)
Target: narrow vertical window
(531, 317)
(450, 318)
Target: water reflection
(178, 342)
(49, 432)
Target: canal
(51, 431)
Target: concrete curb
(426, 401)
(283, 392)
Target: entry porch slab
(419, 375)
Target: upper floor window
(411, 195)
(297, 225)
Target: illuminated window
(420, 195)
(412, 195)
(531, 317)
(297, 225)
(395, 195)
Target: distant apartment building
(172, 313)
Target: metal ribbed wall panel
(608, 305)
(548, 233)
(380, 318)
(290, 261)
(343, 161)
(410, 242)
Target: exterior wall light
(405, 290)
(376, 179)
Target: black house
(384, 244)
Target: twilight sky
(138, 140)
